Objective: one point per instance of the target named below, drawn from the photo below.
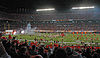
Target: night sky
(11, 5)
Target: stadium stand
(53, 21)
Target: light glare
(83, 7)
(49, 9)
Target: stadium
(50, 29)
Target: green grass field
(67, 38)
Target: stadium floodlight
(48, 9)
(83, 7)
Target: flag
(81, 32)
(62, 34)
(77, 33)
(10, 36)
(73, 33)
(3, 37)
(85, 32)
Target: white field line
(53, 41)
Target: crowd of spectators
(81, 20)
(37, 49)
(52, 25)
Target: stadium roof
(12, 5)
